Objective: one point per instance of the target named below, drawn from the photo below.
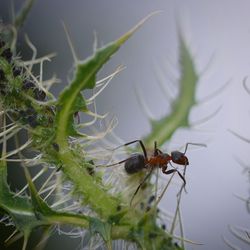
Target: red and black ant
(137, 162)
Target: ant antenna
(195, 144)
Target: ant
(137, 162)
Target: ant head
(179, 158)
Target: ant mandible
(137, 162)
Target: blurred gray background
(218, 33)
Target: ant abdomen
(135, 163)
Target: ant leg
(126, 144)
(165, 171)
(138, 188)
(114, 164)
(180, 175)
(195, 144)
(141, 144)
(157, 151)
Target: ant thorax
(161, 159)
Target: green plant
(62, 152)
(241, 233)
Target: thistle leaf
(22, 15)
(163, 129)
(18, 208)
(71, 99)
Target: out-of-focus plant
(241, 233)
(93, 201)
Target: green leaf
(19, 208)
(103, 228)
(40, 207)
(28, 215)
(49, 217)
(117, 217)
(163, 129)
(22, 15)
(71, 100)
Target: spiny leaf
(19, 208)
(44, 213)
(40, 207)
(71, 99)
(22, 15)
(28, 215)
(163, 129)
